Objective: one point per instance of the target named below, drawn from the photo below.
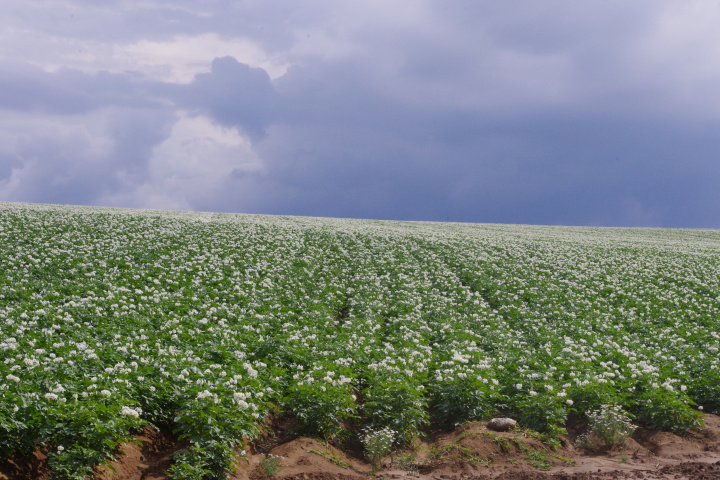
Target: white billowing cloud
(178, 60)
(191, 166)
(174, 60)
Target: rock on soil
(501, 424)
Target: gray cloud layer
(592, 113)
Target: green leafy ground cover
(115, 319)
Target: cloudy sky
(516, 111)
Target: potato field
(207, 324)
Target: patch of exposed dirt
(471, 451)
(148, 459)
(33, 467)
(307, 458)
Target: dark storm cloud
(233, 94)
(594, 172)
(68, 91)
(336, 146)
(536, 176)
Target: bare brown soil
(469, 452)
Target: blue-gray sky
(520, 111)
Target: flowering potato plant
(323, 405)
(377, 444)
(543, 411)
(465, 394)
(666, 410)
(609, 426)
(112, 320)
(398, 405)
(86, 434)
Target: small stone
(501, 424)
